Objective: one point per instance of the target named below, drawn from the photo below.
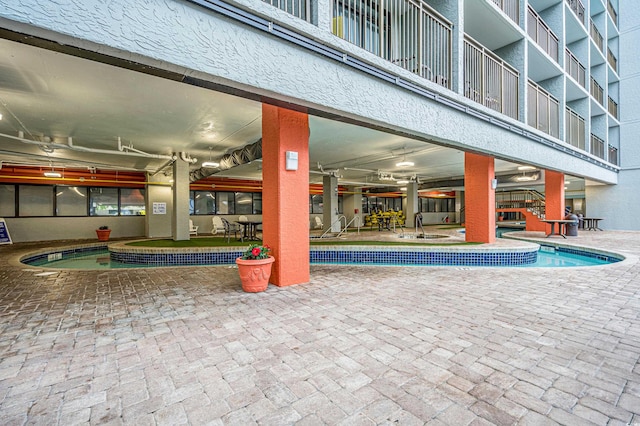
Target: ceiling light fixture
(526, 168)
(404, 162)
(53, 174)
(210, 163)
(0, 116)
(402, 182)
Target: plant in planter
(103, 233)
(254, 267)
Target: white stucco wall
(182, 37)
(73, 228)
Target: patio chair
(218, 226)
(231, 228)
(193, 230)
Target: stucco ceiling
(49, 97)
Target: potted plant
(103, 233)
(254, 267)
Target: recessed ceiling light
(0, 116)
(402, 182)
(404, 188)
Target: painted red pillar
(554, 195)
(479, 198)
(285, 193)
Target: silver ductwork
(244, 155)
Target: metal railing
(489, 80)
(574, 68)
(613, 155)
(578, 9)
(542, 34)
(531, 200)
(407, 33)
(597, 146)
(613, 107)
(543, 110)
(612, 13)
(298, 8)
(597, 92)
(596, 36)
(575, 129)
(510, 8)
(613, 61)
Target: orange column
(285, 193)
(479, 198)
(554, 195)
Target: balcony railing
(578, 9)
(542, 34)
(613, 108)
(543, 111)
(597, 92)
(407, 33)
(574, 68)
(597, 146)
(298, 8)
(613, 155)
(510, 8)
(596, 36)
(489, 80)
(613, 61)
(612, 13)
(575, 129)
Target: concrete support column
(413, 206)
(159, 207)
(180, 219)
(352, 201)
(285, 193)
(480, 198)
(554, 195)
(330, 203)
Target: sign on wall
(5, 238)
(159, 208)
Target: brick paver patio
(356, 346)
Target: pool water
(99, 259)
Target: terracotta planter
(254, 273)
(103, 234)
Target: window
(225, 203)
(244, 203)
(103, 201)
(437, 205)
(7, 200)
(71, 201)
(35, 200)
(257, 203)
(316, 204)
(132, 202)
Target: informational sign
(5, 238)
(159, 208)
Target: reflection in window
(244, 203)
(103, 202)
(316, 204)
(224, 203)
(35, 200)
(7, 200)
(257, 203)
(132, 202)
(204, 202)
(71, 201)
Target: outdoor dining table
(591, 223)
(562, 223)
(249, 228)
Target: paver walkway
(355, 346)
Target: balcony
(613, 155)
(575, 129)
(578, 9)
(596, 36)
(510, 8)
(489, 80)
(574, 68)
(612, 13)
(407, 33)
(543, 110)
(298, 8)
(613, 61)
(597, 146)
(597, 92)
(613, 108)
(542, 34)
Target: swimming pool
(100, 258)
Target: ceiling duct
(244, 155)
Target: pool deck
(358, 345)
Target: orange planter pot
(254, 274)
(103, 234)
